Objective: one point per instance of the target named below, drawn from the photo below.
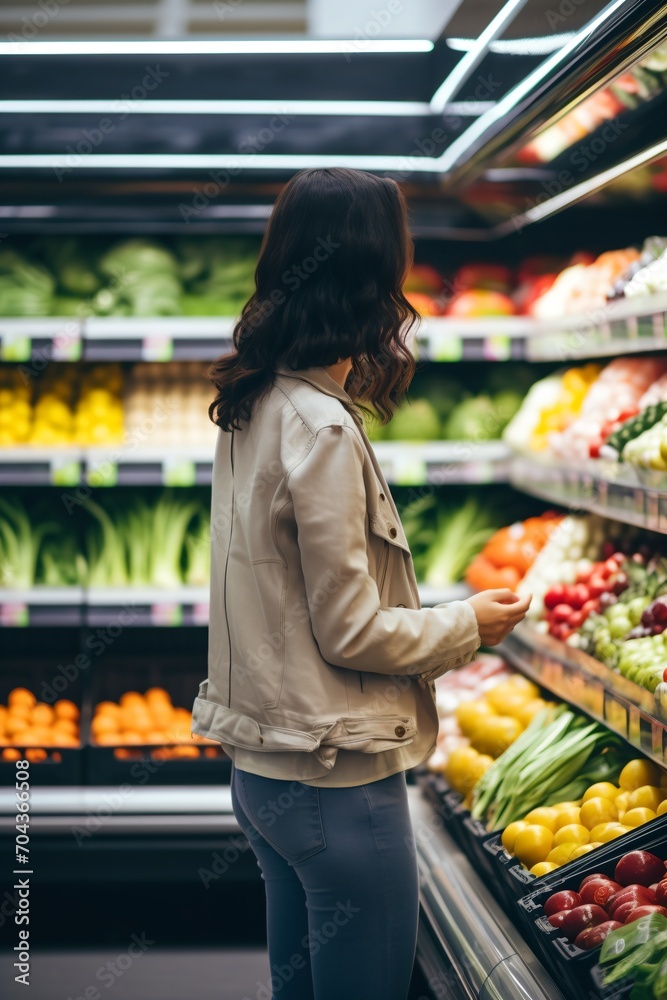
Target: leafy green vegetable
(547, 761)
(459, 535)
(638, 951)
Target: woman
(321, 660)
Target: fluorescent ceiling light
(516, 46)
(216, 47)
(589, 186)
(506, 103)
(65, 162)
(197, 107)
(473, 57)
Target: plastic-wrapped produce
(612, 399)
(650, 280)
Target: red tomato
(582, 916)
(590, 607)
(579, 594)
(599, 891)
(661, 893)
(597, 876)
(597, 585)
(564, 900)
(645, 911)
(592, 937)
(554, 596)
(562, 612)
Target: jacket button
(400, 605)
(261, 739)
(392, 532)
(400, 730)
(382, 496)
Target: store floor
(158, 974)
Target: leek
(20, 545)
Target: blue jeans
(341, 879)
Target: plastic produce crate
(446, 802)
(148, 764)
(579, 967)
(40, 674)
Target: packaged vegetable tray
(580, 967)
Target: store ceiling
(74, 120)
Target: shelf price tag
(104, 474)
(408, 469)
(178, 472)
(444, 346)
(65, 472)
(157, 347)
(14, 615)
(497, 347)
(67, 347)
(167, 614)
(14, 346)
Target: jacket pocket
(266, 658)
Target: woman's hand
(497, 612)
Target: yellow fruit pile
(26, 722)
(68, 405)
(141, 719)
(491, 724)
(550, 836)
(574, 386)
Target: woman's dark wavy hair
(328, 287)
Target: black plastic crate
(447, 803)
(138, 665)
(564, 959)
(51, 674)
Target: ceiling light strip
(297, 46)
(250, 161)
(197, 107)
(468, 63)
(538, 46)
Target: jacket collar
(325, 383)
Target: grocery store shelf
(628, 326)
(629, 710)
(404, 463)
(608, 488)
(135, 606)
(488, 955)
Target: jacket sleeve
(350, 627)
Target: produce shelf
(403, 463)
(611, 489)
(636, 714)
(628, 326)
(138, 606)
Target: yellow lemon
(463, 769)
(521, 683)
(604, 832)
(511, 832)
(638, 816)
(543, 816)
(542, 868)
(527, 712)
(582, 849)
(496, 734)
(562, 854)
(645, 797)
(637, 773)
(596, 811)
(532, 845)
(662, 808)
(567, 816)
(621, 803)
(573, 833)
(601, 790)
(470, 715)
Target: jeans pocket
(285, 813)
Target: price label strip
(178, 472)
(65, 472)
(157, 347)
(14, 346)
(167, 614)
(104, 474)
(497, 347)
(408, 468)
(14, 615)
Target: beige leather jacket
(319, 650)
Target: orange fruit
(107, 739)
(155, 736)
(131, 698)
(36, 755)
(103, 724)
(106, 706)
(156, 694)
(15, 724)
(129, 736)
(66, 726)
(21, 696)
(10, 754)
(185, 751)
(42, 714)
(210, 752)
(19, 711)
(66, 709)
(64, 739)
